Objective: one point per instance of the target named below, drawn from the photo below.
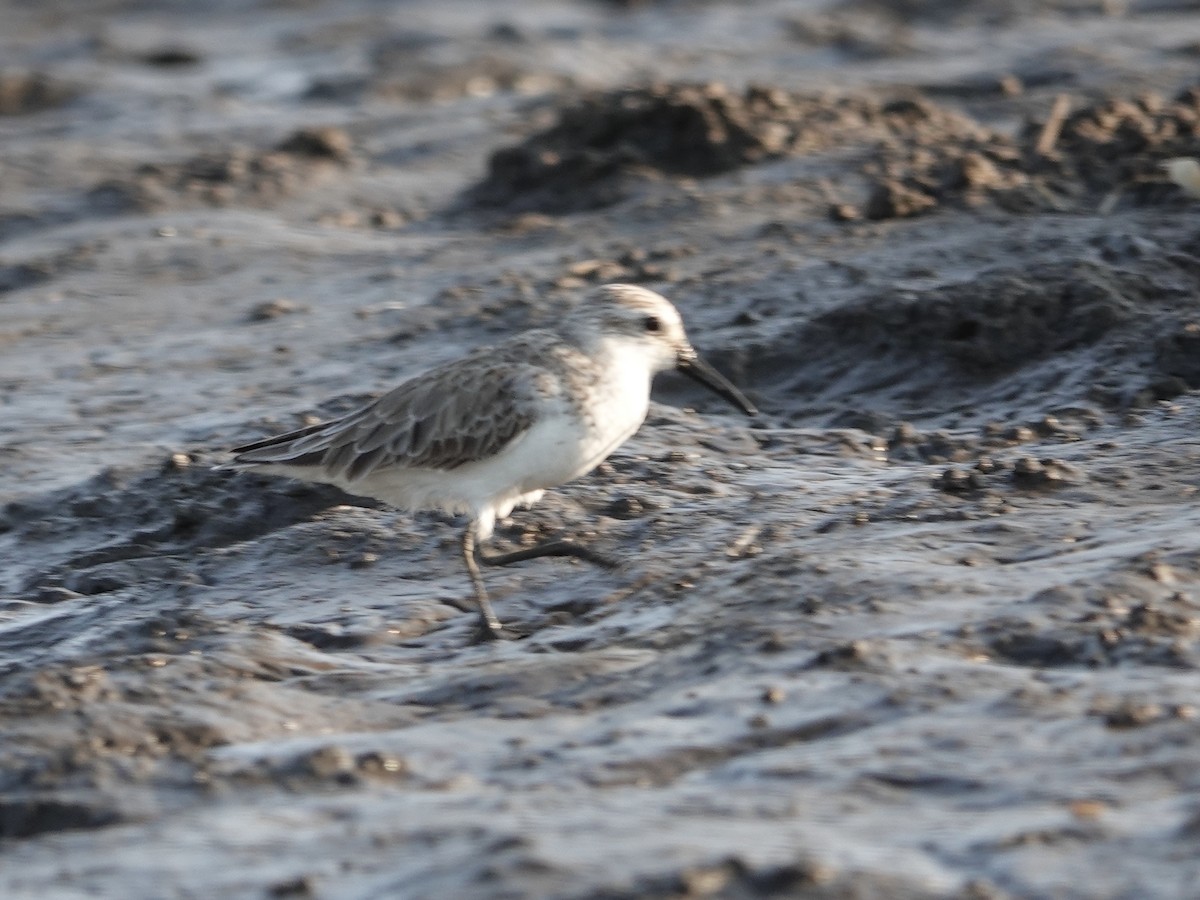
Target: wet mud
(928, 627)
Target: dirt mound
(943, 158)
(1136, 615)
(115, 720)
(183, 507)
(598, 146)
(999, 322)
(1117, 144)
(1071, 331)
(1102, 153)
(228, 177)
(920, 155)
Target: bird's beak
(691, 365)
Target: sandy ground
(926, 628)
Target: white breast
(617, 407)
(565, 444)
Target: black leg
(550, 548)
(489, 625)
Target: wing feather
(364, 463)
(459, 413)
(374, 434)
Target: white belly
(555, 450)
(559, 447)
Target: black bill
(698, 370)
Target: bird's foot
(488, 628)
(603, 560)
(551, 548)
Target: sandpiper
(498, 427)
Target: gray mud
(927, 628)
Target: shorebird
(495, 429)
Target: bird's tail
(290, 449)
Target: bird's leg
(550, 548)
(489, 625)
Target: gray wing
(456, 414)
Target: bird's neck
(621, 357)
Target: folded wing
(460, 413)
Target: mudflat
(925, 628)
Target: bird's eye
(652, 324)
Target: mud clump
(1068, 160)
(332, 144)
(582, 161)
(1117, 144)
(932, 156)
(926, 171)
(162, 513)
(993, 324)
(1026, 473)
(896, 200)
(598, 146)
(922, 155)
(1087, 332)
(1149, 634)
(26, 817)
(228, 177)
(22, 93)
(997, 324)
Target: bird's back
(457, 413)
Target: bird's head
(648, 321)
